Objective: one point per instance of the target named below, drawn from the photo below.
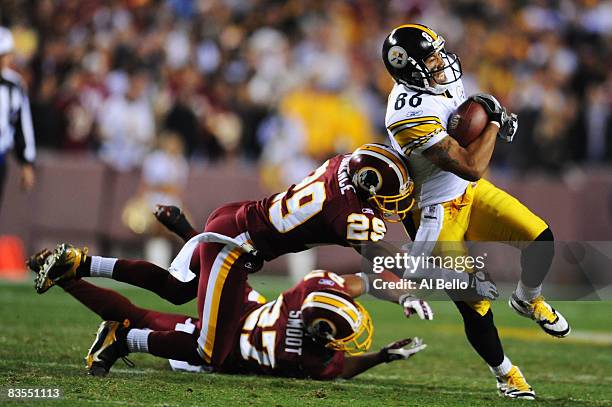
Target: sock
(503, 368)
(138, 340)
(525, 293)
(537, 258)
(102, 266)
(482, 334)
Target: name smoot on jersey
(416, 121)
(273, 339)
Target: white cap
(6, 41)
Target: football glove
(482, 284)
(175, 221)
(509, 128)
(494, 109)
(508, 122)
(413, 305)
(402, 349)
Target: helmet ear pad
(322, 330)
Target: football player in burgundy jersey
(313, 330)
(342, 202)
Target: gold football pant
(484, 213)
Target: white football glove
(413, 305)
(509, 128)
(402, 349)
(483, 285)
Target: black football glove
(508, 122)
(482, 284)
(402, 349)
(175, 221)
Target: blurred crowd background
(288, 83)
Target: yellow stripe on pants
(219, 282)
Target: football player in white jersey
(453, 203)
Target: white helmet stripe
(315, 304)
(387, 160)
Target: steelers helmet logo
(397, 56)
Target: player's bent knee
(474, 316)
(545, 236)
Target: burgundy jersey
(273, 340)
(323, 209)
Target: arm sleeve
(330, 370)
(415, 135)
(25, 148)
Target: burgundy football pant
(221, 288)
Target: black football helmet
(404, 52)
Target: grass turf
(44, 338)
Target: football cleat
(551, 321)
(513, 385)
(110, 344)
(36, 261)
(61, 265)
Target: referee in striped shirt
(16, 131)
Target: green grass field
(44, 338)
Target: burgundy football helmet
(337, 321)
(381, 175)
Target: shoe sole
(42, 276)
(97, 371)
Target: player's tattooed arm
(469, 162)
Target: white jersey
(416, 121)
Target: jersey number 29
(306, 201)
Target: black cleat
(60, 265)
(35, 262)
(110, 344)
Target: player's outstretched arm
(469, 163)
(358, 284)
(398, 350)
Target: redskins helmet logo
(397, 56)
(368, 179)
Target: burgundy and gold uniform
(273, 342)
(323, 209)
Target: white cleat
(514, 386)
(550, 320)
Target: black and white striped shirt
(16, 129)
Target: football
(468, 122)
